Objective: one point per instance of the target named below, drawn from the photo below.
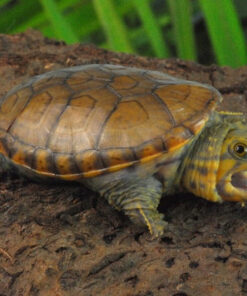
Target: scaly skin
(211, 169)
(213, 166)
(139, 199)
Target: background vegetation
(202, 30)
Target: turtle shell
(87, 120)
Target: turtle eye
(240, 149)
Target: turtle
(130, 134)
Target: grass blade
(60, 26)
(13, 15)
(152, 28)
(225, 32)
(183, 28)
(113, 26)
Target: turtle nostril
(240, 180)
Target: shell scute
(11, 106)
(34, 123)
(123, 82)
(87, 120)
(74, 117)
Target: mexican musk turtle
(129, 134)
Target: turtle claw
(157, 226)
(153, 220)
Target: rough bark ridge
(64, 240)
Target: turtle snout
(239, 180)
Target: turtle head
(232, 170)
(216, 168)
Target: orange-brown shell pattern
(87, 120)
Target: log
(62, 239)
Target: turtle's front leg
(139, 199)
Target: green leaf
(113, 26)
(225, 32)
(61, 27)
(152, 28)
(183, 29)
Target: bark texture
(61, 239)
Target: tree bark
(62, 239)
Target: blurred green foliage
(204, 30)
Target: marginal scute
(152, 148)
(89, 161)
(92, 119)
(65, 164)
(42, 161)
(21, 153)
(112, 157)
(20, 157)
(176, 138)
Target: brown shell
(86, 120)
